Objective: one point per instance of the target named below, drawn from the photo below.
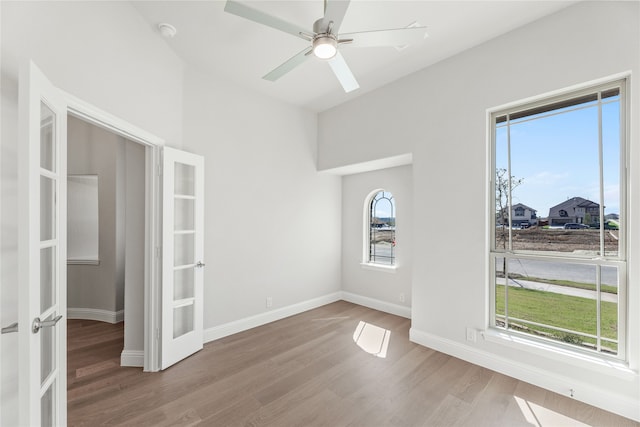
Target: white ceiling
(244, 51)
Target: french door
(42, 250)
(182, 255)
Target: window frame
(622, 82)
(366, 241)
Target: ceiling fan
(325, 39)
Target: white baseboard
(133, 358)
(589, 393)
(387, 307)
(95, 314)
(241, 325)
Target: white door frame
(153, 215)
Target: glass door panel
(47, 208)
(47, 274)
(47, 141)
(47, 347)
(184, 179)
(183, 283)
(184, 213)
(47, 408)
(182, 320)
(184, 249)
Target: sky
(385, 206)
(556, 155)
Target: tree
(504, 187)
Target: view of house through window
(558, 256)
(382, 229)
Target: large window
(381, 233)
(563, 279)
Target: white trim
(578, 357)
(376, 304)
(548, 96)
(241, 325)
(153, 215)
(77, 261)
(378, 267)
(582, 391)
(95, 314)
(132, 358)
(94, 115)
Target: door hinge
(157, 251)
(159, 170)
(157, 333)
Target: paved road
(554, 270)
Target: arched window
(381, 235)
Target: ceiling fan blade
(288, 65)
(343, 73)
(394, 37)
(334, 11)
(255, 15)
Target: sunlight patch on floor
(372, 339)
(540, 416)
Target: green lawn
(562, 311)
(588, 286)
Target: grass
(561, 311)
(569, 284)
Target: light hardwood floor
(306, 370)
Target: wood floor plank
(305, 370)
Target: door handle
(11, 328)
(39, 324)
(200, 264)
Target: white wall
(103, 53)
(9, 251)
(383, 286)
(439, 114)
(95, 151)
(272, 222)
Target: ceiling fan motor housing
(319, 28)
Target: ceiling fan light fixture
(325, 46)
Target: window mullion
(598, 308)
(509, 203)
(601, 175)
(506, 292)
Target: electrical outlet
(401, 297)
(471, 334)
(269, 302)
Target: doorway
(106, 234)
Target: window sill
(601, 364)
(378, 267)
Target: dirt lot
(381, 235)
(538, 239)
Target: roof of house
(520, 205)
(574, 202)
